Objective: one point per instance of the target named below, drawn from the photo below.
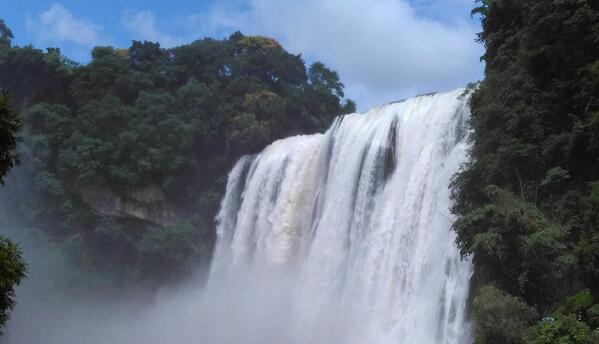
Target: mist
(245, 305)
(342, 237)
(250, 305)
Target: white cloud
(58, 25)
(143, 26)
(383, 49)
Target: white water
(345, 237)
(341, 238)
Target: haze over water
(342, 237)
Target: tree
(6, 35)
(527, 201)
(12, 271)
(153, 131)
(9, 127)
(500, 318)
(515, 247)
(12, 266)
(564, 329)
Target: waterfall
(349, 231)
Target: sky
(384, 50)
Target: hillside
(125, 157)
(528, 202)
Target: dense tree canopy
(140, 140)
(527, 202)
(9, 127)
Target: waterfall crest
(356, 223)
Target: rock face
(147, 204)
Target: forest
(528, 200)
(123, 160)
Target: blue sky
(384, 50)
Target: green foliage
(528, 201)
(9, 128)
(500, 318)
(12, 266)
(555, 175)
(168, 252)
(563, 330)
(593, 316)
(12, 271)
(576, 304)
(175, 119)
(515, 247)
(149, 113)
(588, 245)
(6, 35)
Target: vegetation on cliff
(528, 201)
(128, 154)
(12, 266)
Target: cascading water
(347, 234)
